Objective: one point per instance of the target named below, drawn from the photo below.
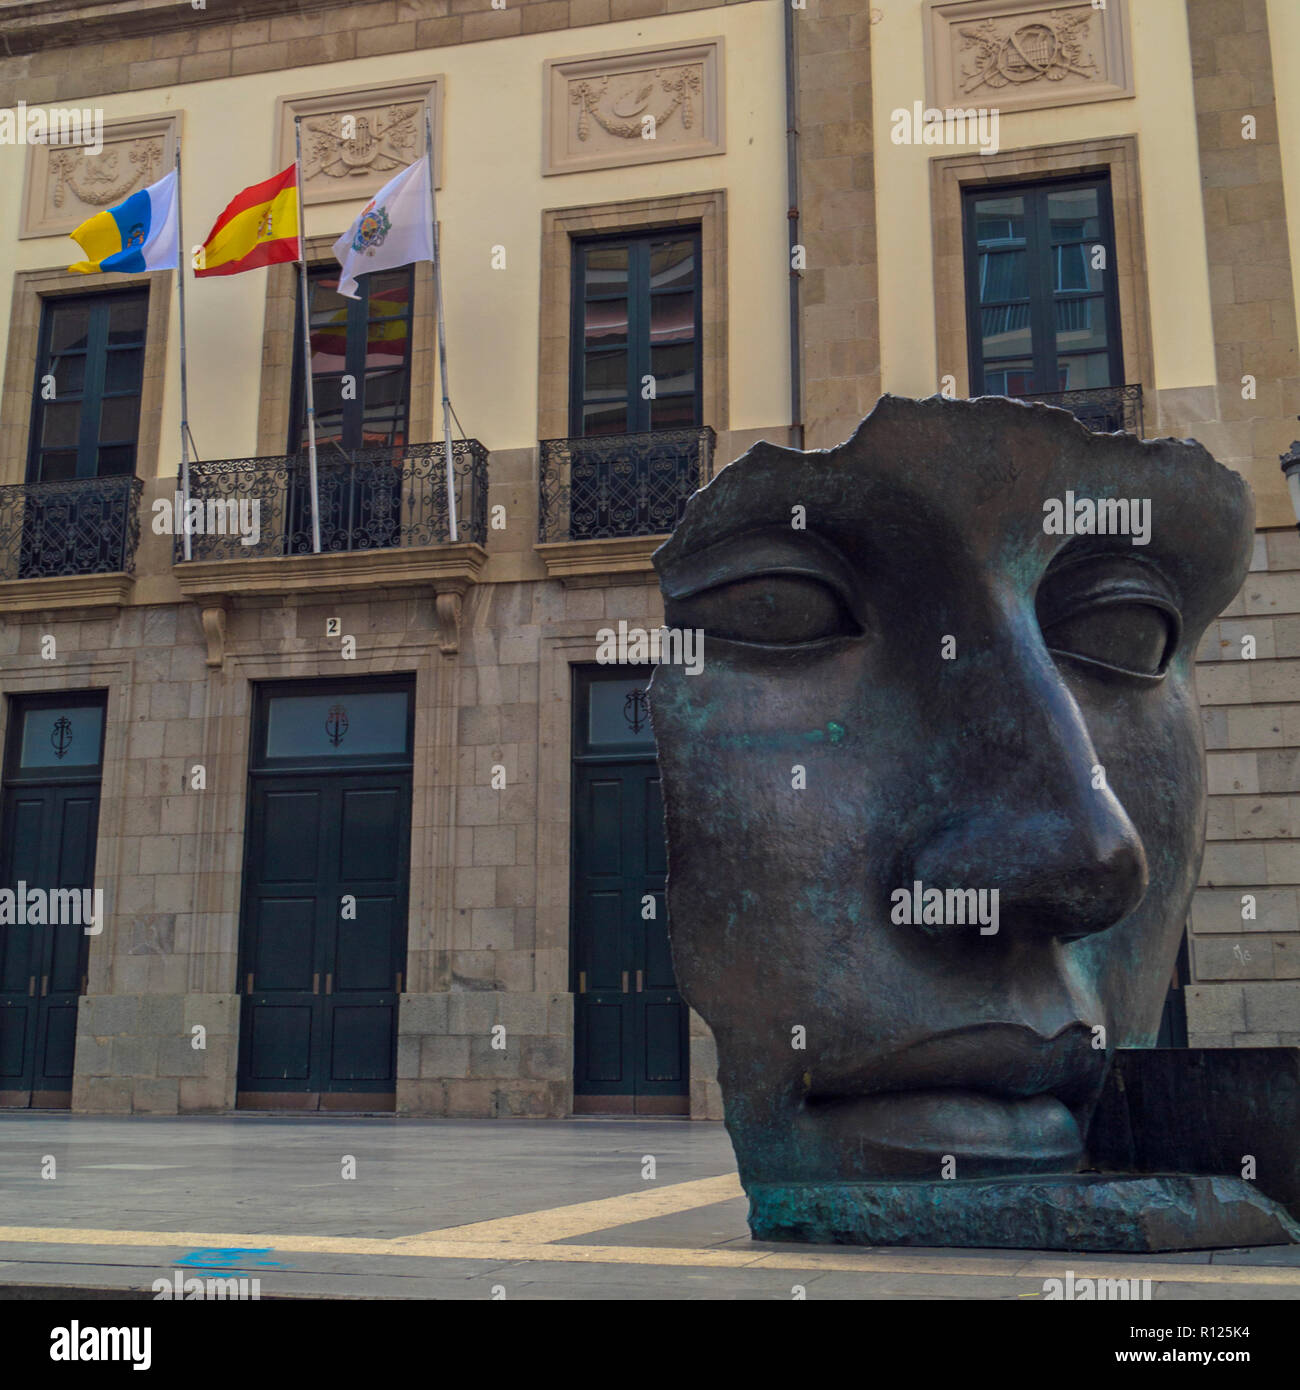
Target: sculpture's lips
(1004, 1060)
(1002, 1095)
(921, 1128)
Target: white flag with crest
(394, 229)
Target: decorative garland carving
(1050, 47)
(381, 142)
(95, 180)
(627, 108)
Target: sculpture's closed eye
(768, 610)
(1131, 638)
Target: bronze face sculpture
(935, 804)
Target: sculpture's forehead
(984, 479)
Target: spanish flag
(258, 227)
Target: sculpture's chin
(911, 1133)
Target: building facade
(374, 826)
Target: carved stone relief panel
(64, 185)
(1014, 55)
(633, 107)
(354, 139)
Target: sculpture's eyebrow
(763, 550)
(1081, 561)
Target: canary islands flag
(258, 227)
(138, 234)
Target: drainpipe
(792, 215)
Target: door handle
(582, 982)
(638, 982)
(315, 982)
(31, 986)
(625, 982)
(329, 983)
(248, 987)
(45, 984)
(399, 982)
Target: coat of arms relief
(1023, 55)
(1049, 47)
(347, 145)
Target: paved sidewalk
(473, 1209)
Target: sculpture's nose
(1028, 809)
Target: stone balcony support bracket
(213, 616)
(448, 594)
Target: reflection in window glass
(1041, 293)
(632, 301)
(365, 342)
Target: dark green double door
(48, 842)
(323, 939)
(49, 816)
(630, 1021)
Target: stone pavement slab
(474, 1210)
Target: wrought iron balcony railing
(619, 484)
(371, 499)
(79, 526)
(1105, 409)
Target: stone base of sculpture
(1215, 1113)
(1068, 1211)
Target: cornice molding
(433, 567)
(27, 26)
(65, 591)
(444, 573)
(596, 563)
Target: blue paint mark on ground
(229, 1258)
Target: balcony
(383, 524)
(606, 501)
(371, 499)
(1104, 409)
(69, 543)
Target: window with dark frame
(1042, 302)
(361, 721)
(86, 398)
(636, 359)
(366, 340)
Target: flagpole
(442, 328)
(306, 339)
(185, 392)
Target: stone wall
(449, 1062)
(1245, 986)
(139, 1053)
(1247, 241)
(839, 297)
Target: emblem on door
(61, 736)
(336, 724)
